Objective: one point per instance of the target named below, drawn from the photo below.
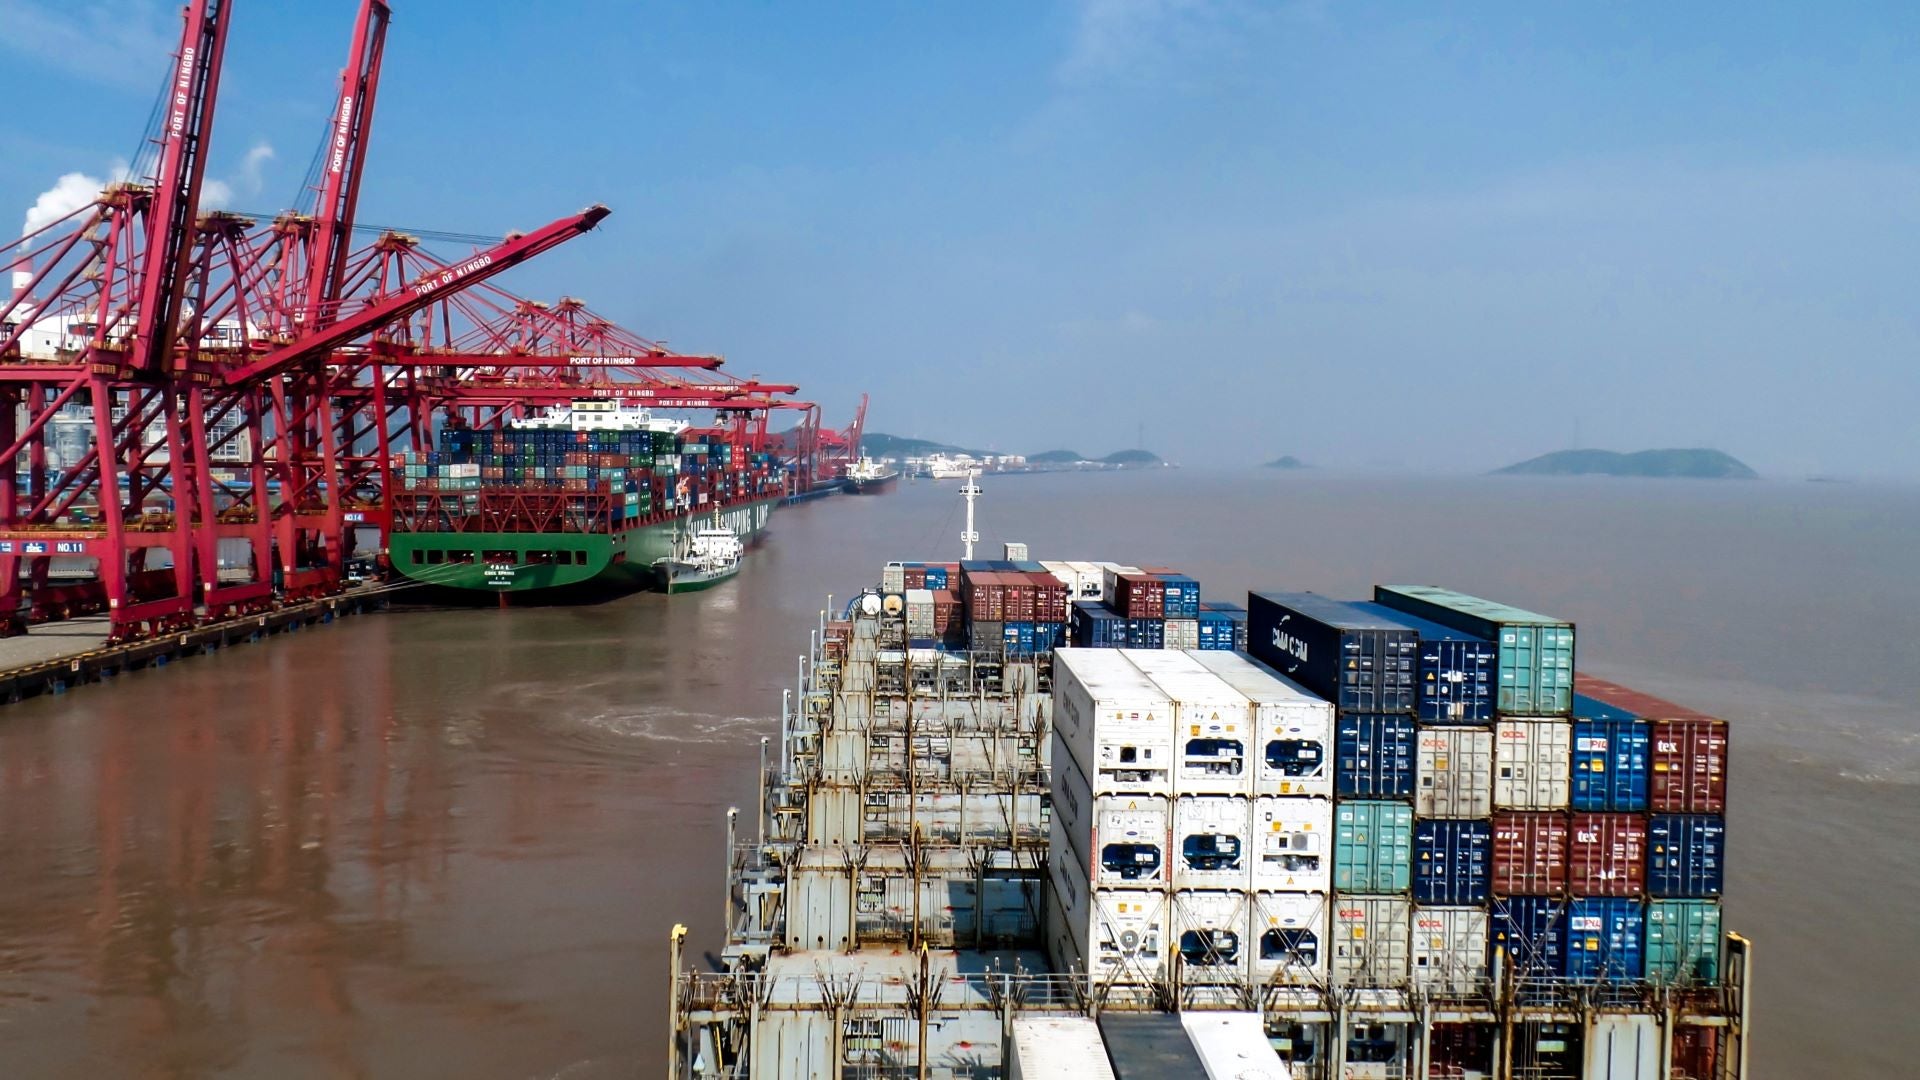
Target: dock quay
(55, 657)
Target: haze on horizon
(1353, 232)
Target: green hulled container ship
(585, 501)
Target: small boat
(703, 558)
(870, 477)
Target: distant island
(1056, 457)
(880, 445)
(1691, 464)
(1131, 457)
(1285, 461)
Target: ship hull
(559, 567)
(878, 485)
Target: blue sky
(1362, 233)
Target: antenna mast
(970, 491)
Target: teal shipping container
(1683, 942)
(1536, 651)
(1372, 847)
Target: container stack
(1190, 824)
(1150, 608)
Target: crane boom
(345, 158)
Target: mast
(970, 491)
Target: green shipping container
(1536, 651)
(1372, 847)
(1683, 942)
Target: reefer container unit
(1113, 722)
(1533, 932)
(1454, 771)
(1607, 855)
(1610, 760)
(1683, 942)
(1686, 855)
(1452, 861)
(1606, 939)
(1529, 853)
(1210, 931)
(1149, 1046)
(1233, 1046)
(1688, 770)
(1372, 847)
(1292, 843)
(1057, 1048)
(1536, 651)
(1291, 727)
(1118, 937)
(1212, 724)
(1094, 625)
(1360, 662)
(1212, 846)
(1373, 757)
(1370, 939)
(1448, 951)
(1119, 840)
(1289, 938)
(1458, 672)
(1531, 762)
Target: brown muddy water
(453, 842)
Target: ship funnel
(21, 280)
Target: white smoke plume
(69, 193)
(256, 160)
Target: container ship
(869, 477)
(1072, 819)
(582, 501)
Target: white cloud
(69, 193)
(215, 195)
(256, 160)
(1133, 40)
(122, 42)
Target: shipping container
(1182, 634)
(1606, 939)
(1452, 861)
(1212, 842)
(1149, 1046)
(1607, 855)
(1233, 1046)
(1458, 672)
(1448, 951)
(1181, 596)
(1112, 840)
(1093, 625)
(1292, 727)
(1214, 631)
(1532, 759)
(1112, 721)
(1683, 942)
(1624, 1047)
(1292, 843)
(1362, 663)
(1532, 931)
(1530, 851)
(1610, 758)
(1454, 771)
(1370, 939)
(1373, 757)
(1372, 847)
(1289, 938)
(1146, 633)
(1536, 651)
(1110, 574)
(1210, 928)
(1117, 937)
(1057, 1048)
(1140, 596)
(1689, 767)
(1686, 855)
(1212, 724)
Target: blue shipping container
(1146, 633)
(1019, 638)
(1094, 625)
(1216, 631)
(1610, 763)
(1358, 661)
(936, 578)
(1373, 757)
(1049, 635)
(1459, 674)
(1533, 931)
(1183, 596)
(1452, 861)
(1606, 939)
(1686, 855)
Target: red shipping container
(1050, 598)
(1688, 763)
(1021, 597)
(1607, 855)
(946, 609)
(986, 597)
(1140, 596)
(1530, 853)
(916, 577)
(1696, 1052)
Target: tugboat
(870, 477)
(702, 559)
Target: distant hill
(878, 444)
(1054, 457)
(1287, 461)
(1132, 457)
(1693, 464)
